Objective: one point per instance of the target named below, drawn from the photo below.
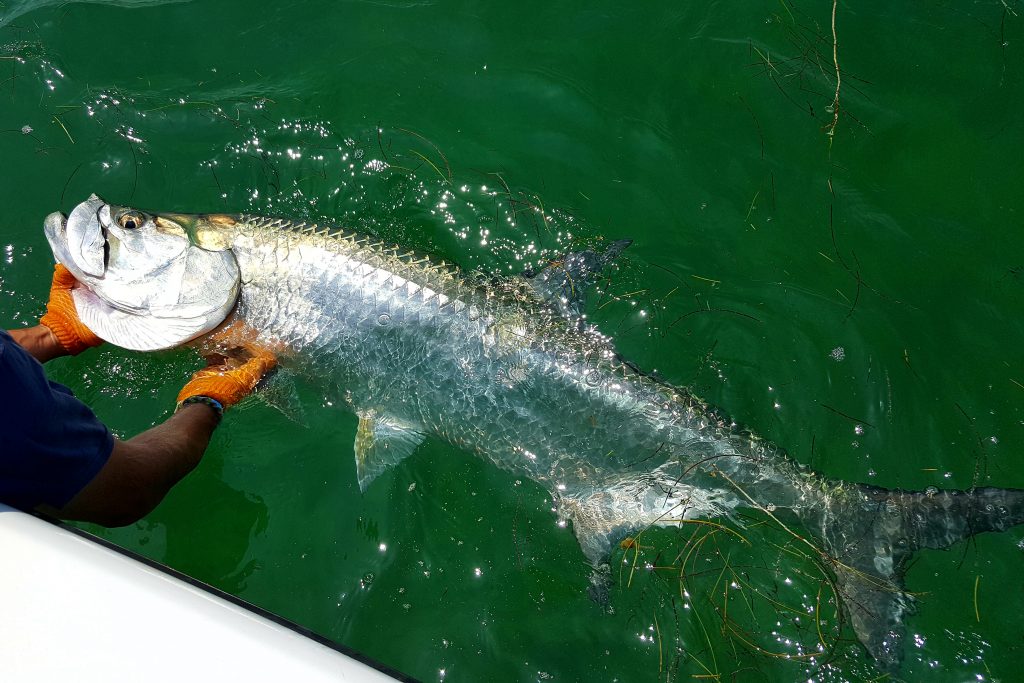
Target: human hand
(62, 318)
(228, 380)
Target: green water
(855, 297)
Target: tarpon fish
(507, 368)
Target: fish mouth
(54, 225)
(79, 241)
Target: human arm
(39, 341)
(141, 470)
(55, 456)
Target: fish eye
(130, 220)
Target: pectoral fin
(381, 443)
(279, 391)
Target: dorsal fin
(563, 282)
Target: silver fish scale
(484, 364)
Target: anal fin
(381, 442)
(872, 591)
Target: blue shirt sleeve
(51, 444)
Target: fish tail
(871, 534)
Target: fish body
(489, 366)
(506, 368)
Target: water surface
(848, 282)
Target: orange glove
(62, 318)
(227, 383)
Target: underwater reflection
(224, 528)
(18, 8)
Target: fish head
(146, 281)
